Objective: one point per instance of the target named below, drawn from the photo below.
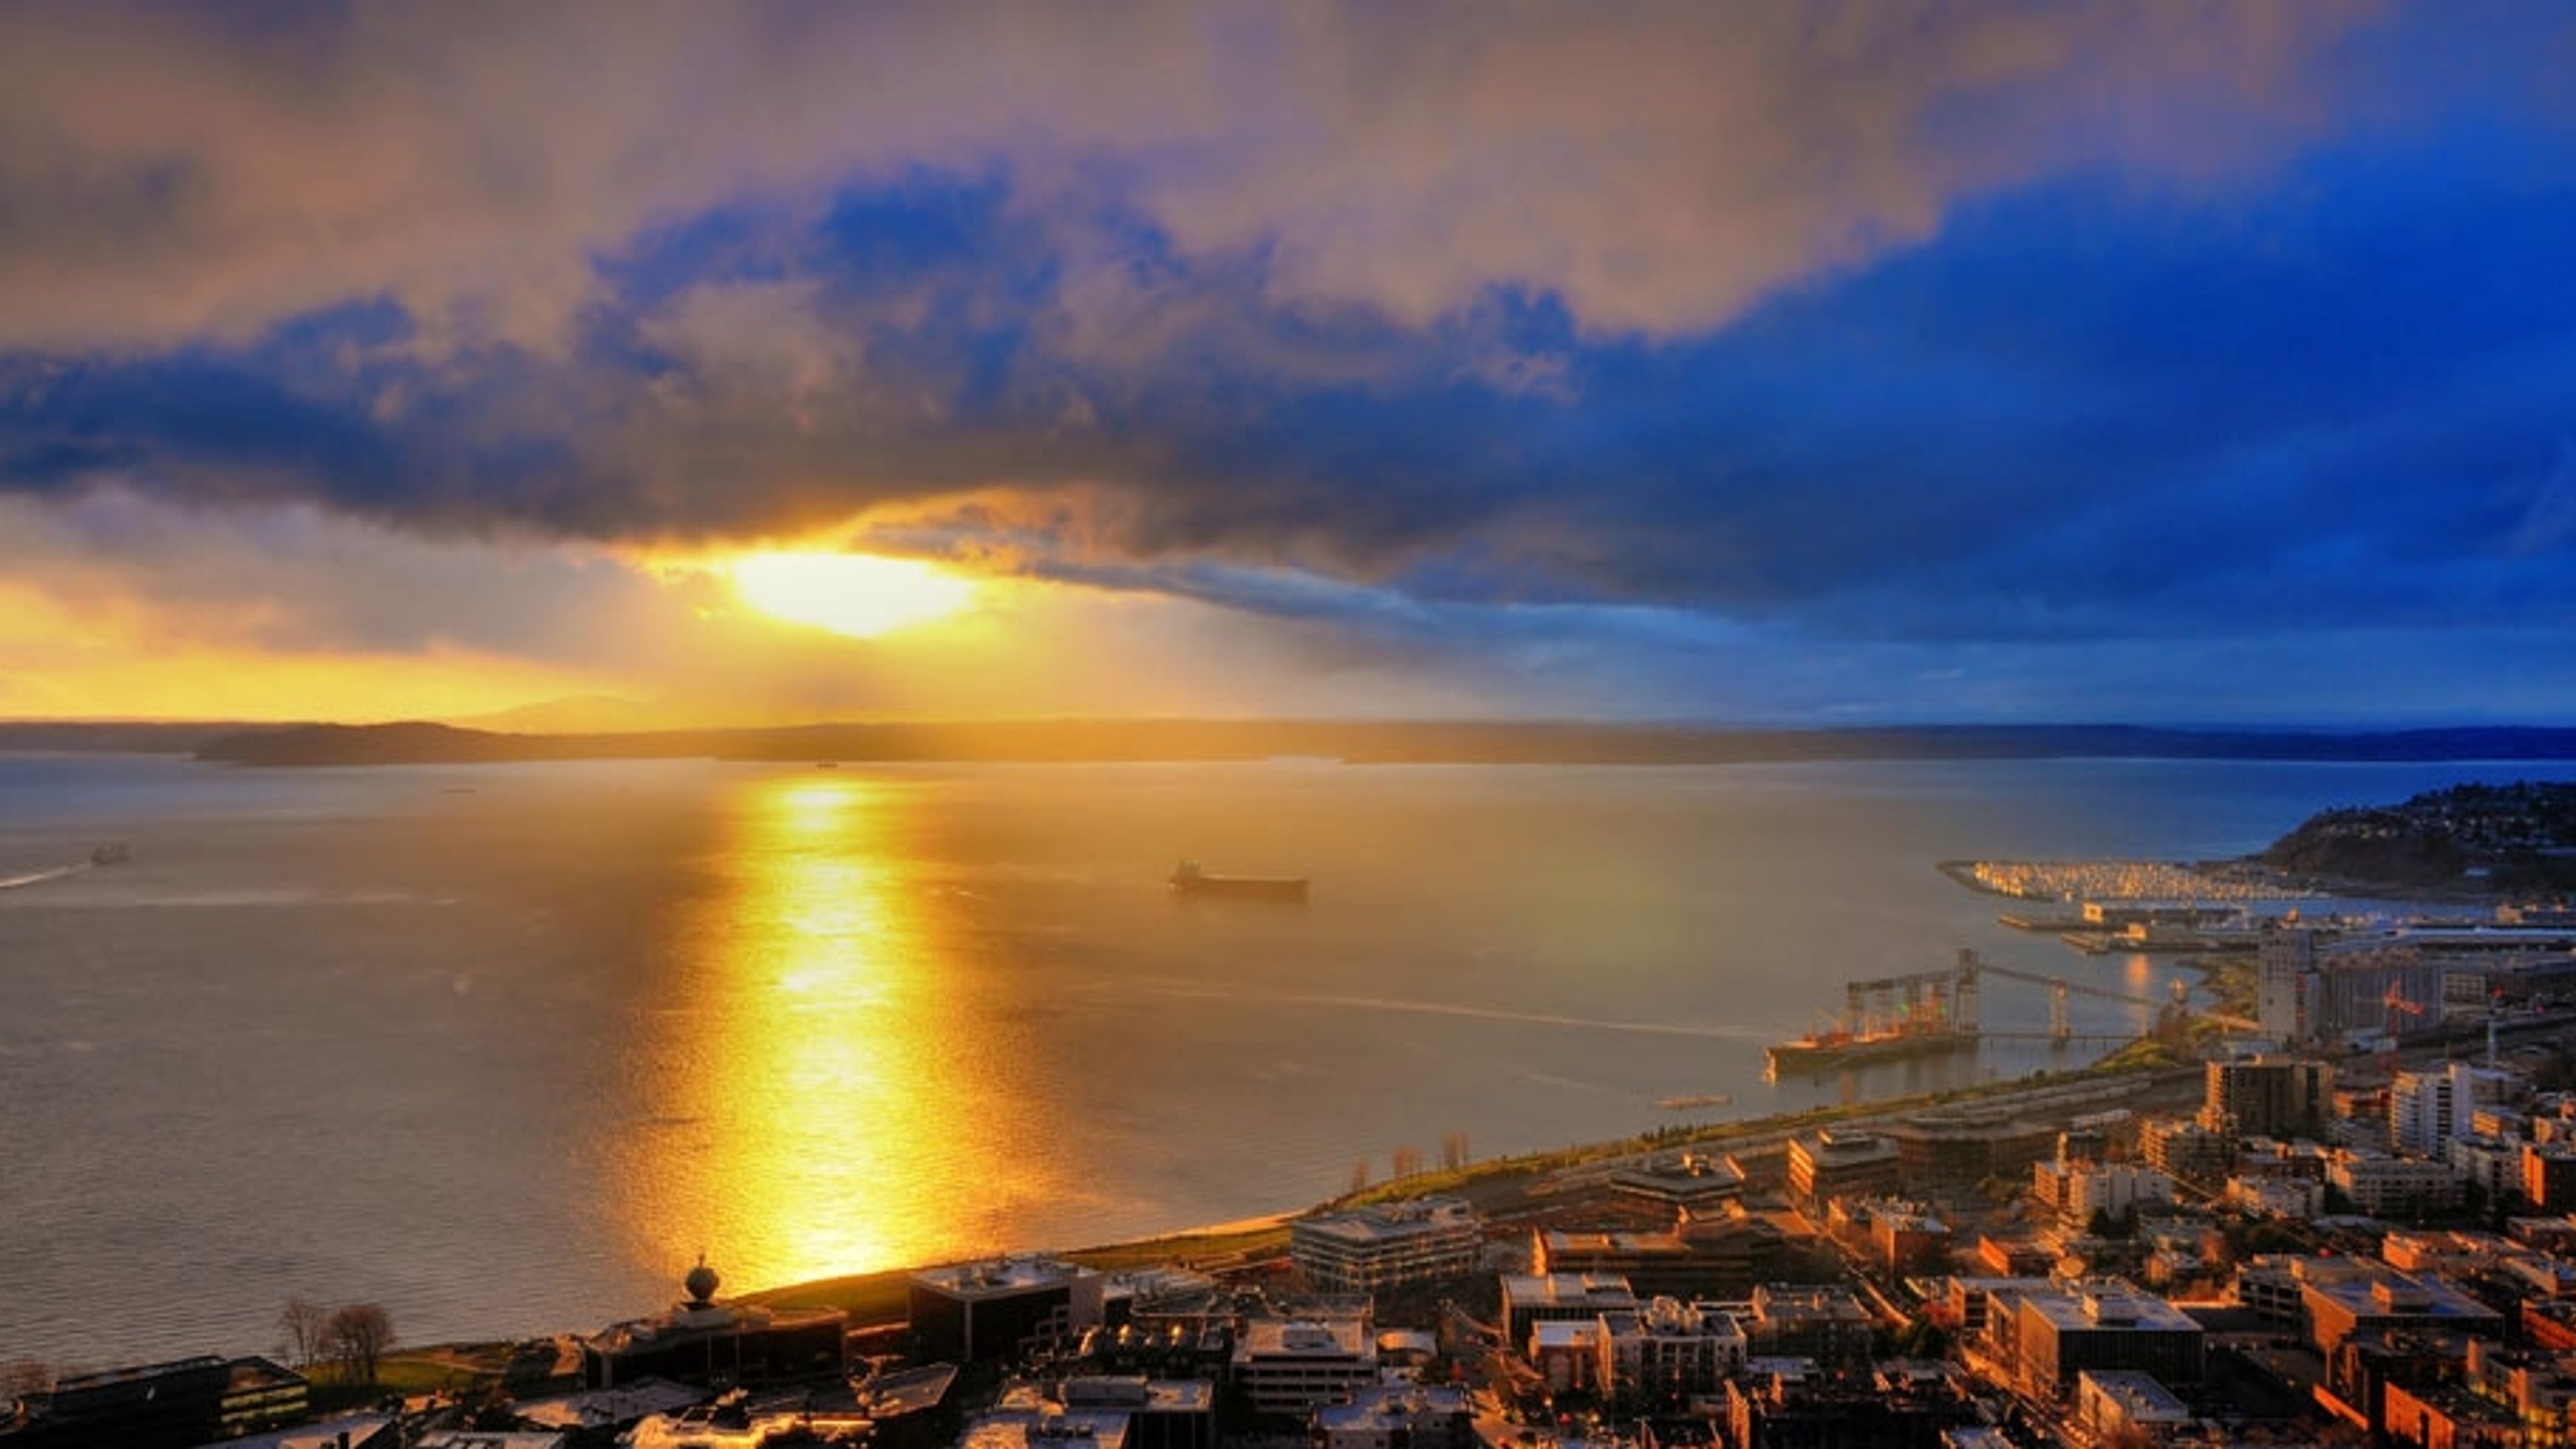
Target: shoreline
(1507, 1181)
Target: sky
(1773, 363)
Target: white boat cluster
(2117, 880)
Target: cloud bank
(1490, 331)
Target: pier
(1890, 1018)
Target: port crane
(1916, 999)
(1928, 1011)
(2060, 1027)
(2399, 1008)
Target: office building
(1292, 1366)
(1366, 1249)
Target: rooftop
(1566, 1333)
(1139, 1394)
(1392, 1405)
(1070, 1430)
(325, 1435)
(1391, 1221)
(607, 1408)
(2109, 1307)
(999, 1276)
(2389, 1293)
(1312, 1337)
(2141, 1396)
(1567, 1290)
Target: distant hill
(1361, 742)
(142, 737)
(2518, 837)
(579, 714)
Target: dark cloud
(1411, 330)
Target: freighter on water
(1189, 880)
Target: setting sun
(848, 593)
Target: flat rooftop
(1567, 1290)
(2392, 1294)
(1070, 1430)
(2117, 1310)
(1394, 1405)
(2141, 1396)
(1313, 1337)
(1390, 1222)
(1136, 1394)
(998, 1276)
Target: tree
(1359, 1176)
(356, 1338)
(303, 1321)
(1408, 1161)
(1453, 1150)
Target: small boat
(1189, 880)
(1691, 1103)
(112, 853)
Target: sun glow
(848, 593)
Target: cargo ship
(1893, 1018)
(1826, 1051)
(1189, 880)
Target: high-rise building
(2268, 1097)
(2286, 956)
(2427, 1109)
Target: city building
(2432, 1414)
(2267, 1097)
(181, 1402)
(1905, 1242)
(2075, 1192)
(1002, 1309)
(2427, 1109)
(1003, 1429)
(2492, 1165)
(2112, 1405)
(2285, 958)
(719, 1345)
(1783, 1402)
(1569, 1355)
(1715, 1256)
(2277, 1197)
(1682, 1181)
(1397, 1416)
(594, 1415)
(1668, 1350)
(2185, 1150)
(1530, 1299)
(1366, 1249)
(2106, 1325)
(1160, 1413)
(2385, 1186)
(1292, 1366)
(2535, 1388)
(2343, 1297)
(1826, 1324)
(2549, 1176)
(1983, 1308)
(1962, 1146)
(1836, 1162)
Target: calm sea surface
(504, 1048)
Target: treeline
(350, 1340)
